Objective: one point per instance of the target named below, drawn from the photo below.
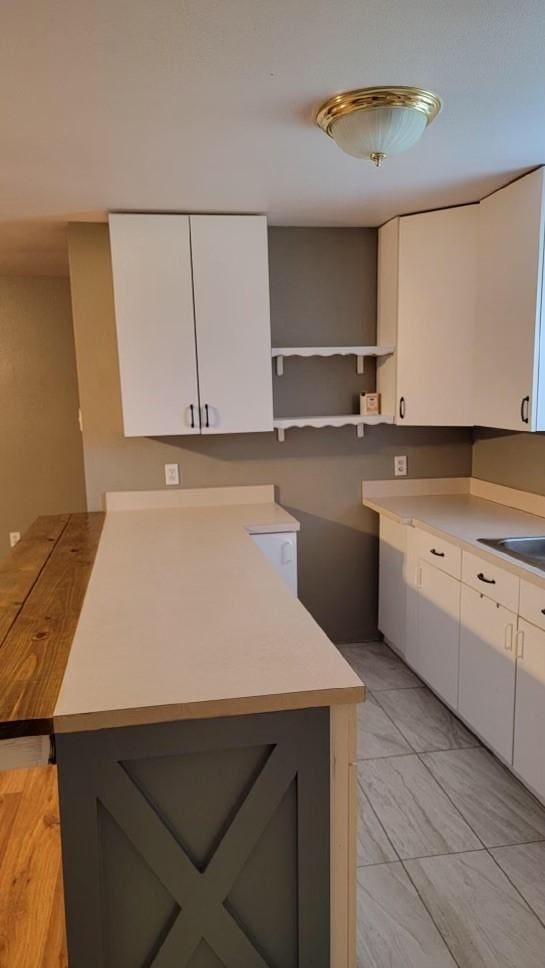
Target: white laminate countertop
(184, 617)
(462, 519)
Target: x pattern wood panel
(300, 750)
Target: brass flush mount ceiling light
(374, 122)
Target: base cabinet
(281, 550)
(392, 605)
(487, 670)
(436, 643)
(483, 659)
(529, 749)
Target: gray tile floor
(451, 847)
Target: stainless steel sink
(531, 549)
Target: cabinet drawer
(532, 604)
(438, 552)
(496, 583)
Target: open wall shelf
(360, 352)
(281, 424)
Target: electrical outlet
(14, 537)
(172, 475)
(400, 466)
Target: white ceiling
(207, 105)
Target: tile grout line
(413, 752)
(387, 714)
(386, 756)
(392, 688)
(515, 843)
(452, 853)
(451, 801)
(505, 874)
(450, 713)
(426, 908)
(381, 825)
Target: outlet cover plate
(400, 466)
(172, 475)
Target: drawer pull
(439, 554)
(489, 581)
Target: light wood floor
(32, 931)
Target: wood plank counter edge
(34, 650)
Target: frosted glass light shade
(378, 131)
(373, 122)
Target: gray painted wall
(41, 460)
(513, 459)
(323, 290)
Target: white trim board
(191, 497)
(508, 496)
(473, 486)
(415, 487)
(24, 752)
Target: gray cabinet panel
(198, 843)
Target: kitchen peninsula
(205, 739)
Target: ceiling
(207, 105)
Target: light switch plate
(400, 466)
(172, 475)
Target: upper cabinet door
(151, 262)
(427, 308)
(508, 342)
(232, 314)
(436, 299)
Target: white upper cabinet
(232, 318)
(193, 323)
(509, 339)
(151, 262)
(427, 275)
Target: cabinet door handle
(508, 638)
(519, 639)
(206, 416)
(438, 554)
(419, 577)
(525, 409)
(402, 408)
(286, 554)
(192, 412)
(489, 581)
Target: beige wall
(41, 466)
(323, 290)
(514, 459)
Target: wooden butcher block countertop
(42, 586)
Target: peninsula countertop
(184, 617)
